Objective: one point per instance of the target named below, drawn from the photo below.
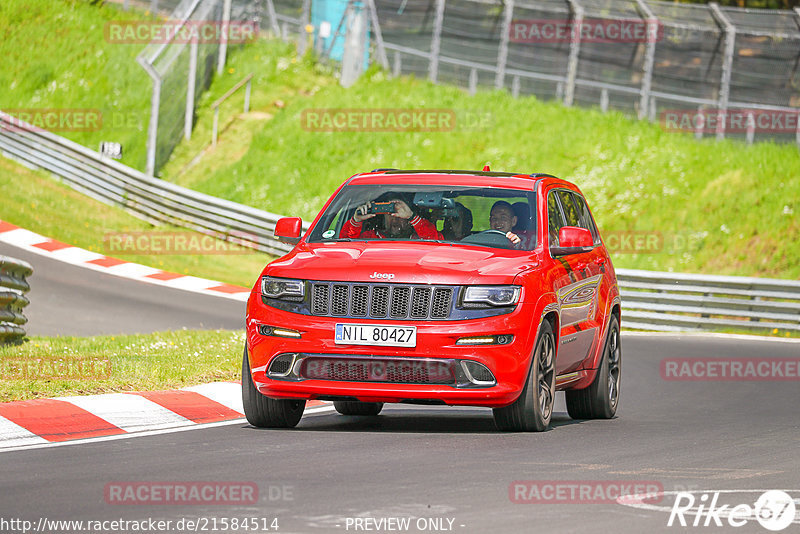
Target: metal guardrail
(684, 302)
(215, 106)
(651, 300)
(13, 286)
(151, 199)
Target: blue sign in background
(332, 11)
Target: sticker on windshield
(328, 233)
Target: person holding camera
(399, 222)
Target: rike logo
(381, 276)
(774, 510)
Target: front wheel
(263, 412)
(534, 407)
(600, 399)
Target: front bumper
(436, 341)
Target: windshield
(481, 216)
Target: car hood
(403, 262)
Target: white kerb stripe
(22, 238)
(130, 412)
(132, 270)
(226, 393)
(76, 255)
(13, 435)
(192, 283)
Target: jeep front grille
(381, 301)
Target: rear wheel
(358, 408)
(534, 407)
(264, 412)
(600, 399)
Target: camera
(382, 207)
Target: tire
(358, 408)
(601, 398)
(533, 409)
(263, 412)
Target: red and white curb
(38, 244)
(47, 421)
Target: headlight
(282, 288)
(492, 295)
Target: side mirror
(288, 229)
(572, 240)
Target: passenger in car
(459, 226)
(402, 224)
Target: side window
(570, 211)
(586, 217)
(554, 217)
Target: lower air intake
(397, 371)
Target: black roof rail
(384, 169)
(542, 175)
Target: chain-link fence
(716, 71)
(182, 60)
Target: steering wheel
(492, 238)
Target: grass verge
(57, 366)
(56, 57)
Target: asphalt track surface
(419, 462)
(68, 300)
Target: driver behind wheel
(503, 219)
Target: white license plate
(376, 334)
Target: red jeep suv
(441, 287)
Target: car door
(576, 289)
